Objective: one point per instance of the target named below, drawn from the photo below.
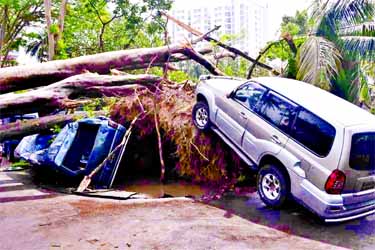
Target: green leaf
(318, 61)
(358, 47)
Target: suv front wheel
(273, 186)
(201, 116)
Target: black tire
(278, 191)
(201, 116)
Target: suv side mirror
(231, 94)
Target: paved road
(357, 234)
(74, 222)
(17, 191)
(18, 186)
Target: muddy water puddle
(155, 189)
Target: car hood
(224, 86)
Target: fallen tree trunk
(59, 95)
(42, 74)
(182, 58)
(20, 129)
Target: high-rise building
(246, 20)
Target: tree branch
(59, 95)
(199, 58)
(218, 43)
(19, 129)
(36, 75)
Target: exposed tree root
(201, 157)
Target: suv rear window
(362, 151)
(313, 132)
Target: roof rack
(208, 77)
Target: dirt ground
(74, 222)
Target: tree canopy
(84, 27)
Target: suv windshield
(362, 152)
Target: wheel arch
(206, 96)
(201, 98)
(271, 159)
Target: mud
(154, 189)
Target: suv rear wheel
(273, 186)
(201, 116)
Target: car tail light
(335, 182)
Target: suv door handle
(243, 115)
(275, 139)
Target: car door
(270, 122)
(232, 110)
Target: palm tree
(343, 37)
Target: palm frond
(332, 15)
(346, 84)
(355, 47)
(322, 14)
(318, 62)
(354, 11)
(364, 91)
(363, 29)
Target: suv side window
(313, 132)
(249, 95)
(278, 111)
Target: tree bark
(61, 22)
(101, 40)
(3, 25)
(51, 40)
(60, 95)
(19, 129)
(289, 39)
(42, 74)
(199, 58)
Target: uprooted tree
(163, 107)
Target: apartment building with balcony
(245, 20)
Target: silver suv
(304, 142)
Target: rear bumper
(337, 208)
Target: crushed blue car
(8, 146)
(79, 148)
(33, 148)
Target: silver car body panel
(254, 138)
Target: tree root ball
(188, 153)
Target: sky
(280, 8)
